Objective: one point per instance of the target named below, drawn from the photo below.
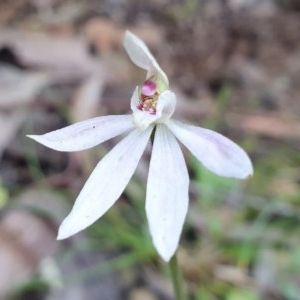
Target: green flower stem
(177, 279)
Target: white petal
(164, 110)
(106, 183)
(166, 105)
(142, 57)
(85, 134)
(142, 119)
(135, 99)
(167, 192)
(216, 152)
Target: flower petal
(142, 57)
(135, 99)
(142, 119)
(85, 134)
(216, 152)
(106, 183)
(166, 105)
(167, 192)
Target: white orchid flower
(167, 197)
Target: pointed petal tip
(128, 34)
(32, 136)
(130, 37)
(63, 233)
(243, 174)
(165, 252)
(164, 248)
(248, 169)
(166, 257)
(250, 173)
(37, 138)
(59, 237)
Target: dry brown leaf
(107, 37)
(265, 269)
(19, 87)
(64, 58)
(285, 183)
(88, 98)
(48, 202)
(104, 35)
(30, 233)
(232, 274)
(272, 125)
(16, 264)
(142, 293)
(10, 123)
(25, 238)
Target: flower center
(148, 97)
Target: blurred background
(235, 67)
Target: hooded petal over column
(142, 57)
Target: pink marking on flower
(149, 88)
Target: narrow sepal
(85, 134)
(216, 152)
